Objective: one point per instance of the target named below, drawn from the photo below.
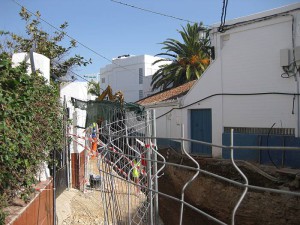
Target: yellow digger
(118, 96)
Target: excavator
(117, 97)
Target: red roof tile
(167, 95)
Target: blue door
(201, 130)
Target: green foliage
(42, 42)
(188, 59)
(94, 88)
(30, 127)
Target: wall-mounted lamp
(208, 49)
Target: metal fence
(127, 165)
(125, 170)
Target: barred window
(141, 94)
(141, 75)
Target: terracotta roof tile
(167, 95)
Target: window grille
(141, 94)
(141, 75)
(256, 130)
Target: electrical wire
(251, 21)
(72, 38)
(268, 146)
(223, 16)
(227, 94)
(153, 12)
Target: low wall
(78, 170)
(39, 211)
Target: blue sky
(112, 29)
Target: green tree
(188, 59)
(30, 128)
(94, 88)
(42, 42)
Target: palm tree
(94, 88)
(188, 59)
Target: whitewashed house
(252, 86)
(78, 90)
(130, 74)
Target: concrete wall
(76, 90)
(123, 75)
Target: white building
(130, 74)
(76, 90)
(245, 88)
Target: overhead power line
(67, 35)
(153, 12)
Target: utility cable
(223, 16)
(251, 21)
(268, 146)
(227, 94)
(67, 35)
(153, 12)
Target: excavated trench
(218, 198)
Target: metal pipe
(149, 168)
(190, 181)
(156, 209)
(242, 174)
(219, 146)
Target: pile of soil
(218, 198)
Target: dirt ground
(74, 207)
(218, 198)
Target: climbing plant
(30, 128)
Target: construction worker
(136, 173)
(94, 139)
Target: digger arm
(108, 91)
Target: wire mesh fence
(125, 168)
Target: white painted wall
(41, 63)
(76, 90)
(247, 61)
(123, 75)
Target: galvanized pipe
(149, 168)
(191, 180)
(243, 175)
(156, 210)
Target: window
(141, 75)
(103, 80)
(141, 94)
